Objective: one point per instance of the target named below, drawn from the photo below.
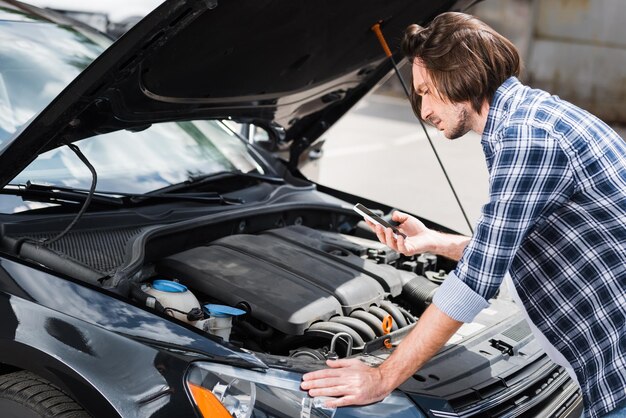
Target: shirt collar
(500, 105)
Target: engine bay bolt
(372, 251)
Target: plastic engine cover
(290, 277)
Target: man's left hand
(349, 381)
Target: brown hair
(465, 58)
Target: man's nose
(425, 108)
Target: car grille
(541, 389)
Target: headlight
(225, 391)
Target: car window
(138, 162)
(37, 60)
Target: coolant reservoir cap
(222, 310)
(169, 286)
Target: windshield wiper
(199, 180)
(62, 195)
(58, 195)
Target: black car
(155, 263)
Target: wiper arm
(195, 181)
(58, 194)
(211, 197)
(63, 195)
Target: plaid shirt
(556, 220)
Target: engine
(304, 292)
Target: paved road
(380, 151)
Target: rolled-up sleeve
(458, 300)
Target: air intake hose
(419, 291)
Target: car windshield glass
(139, 162)
(37, 60)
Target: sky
(116, 9)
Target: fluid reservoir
(220, 319)
(174, 296)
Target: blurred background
(575, 49)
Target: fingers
(348, 382)
(390, 239)
(380, 233)
(332, 386)
(377, 230)
(335, 370)
(384, 235)
(328, 382)
(346, 362)
(399, 216)
(343, 401)
(372, 226)
(401, 245)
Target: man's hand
(420, 239)
(349, 381)
(352, 382)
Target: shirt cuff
(458, 300)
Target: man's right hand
(420, 239)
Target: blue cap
(169, 286)
(222, 311)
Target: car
(154, 262)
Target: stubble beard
(462, 126)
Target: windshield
(37, 60)
(138, 162)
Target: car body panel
(113, 357)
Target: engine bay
(292, 286)
(299, 291)
(298, 281)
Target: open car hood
(299, 65)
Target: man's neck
(480, 120)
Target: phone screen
(372, 217)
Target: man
(555, 220)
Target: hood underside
(297, 64)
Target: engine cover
(290, 277)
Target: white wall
(573, 48)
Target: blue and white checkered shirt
(556, 220)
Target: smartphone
(372, 217)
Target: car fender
(112, 357)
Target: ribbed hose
(419, 292)
(371, 320)
(395, 313)
(381, 314)
(410, 318)
(328, 329)
(359, 326)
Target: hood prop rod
(94, 180)
(383, 43)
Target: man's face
(453, 119)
